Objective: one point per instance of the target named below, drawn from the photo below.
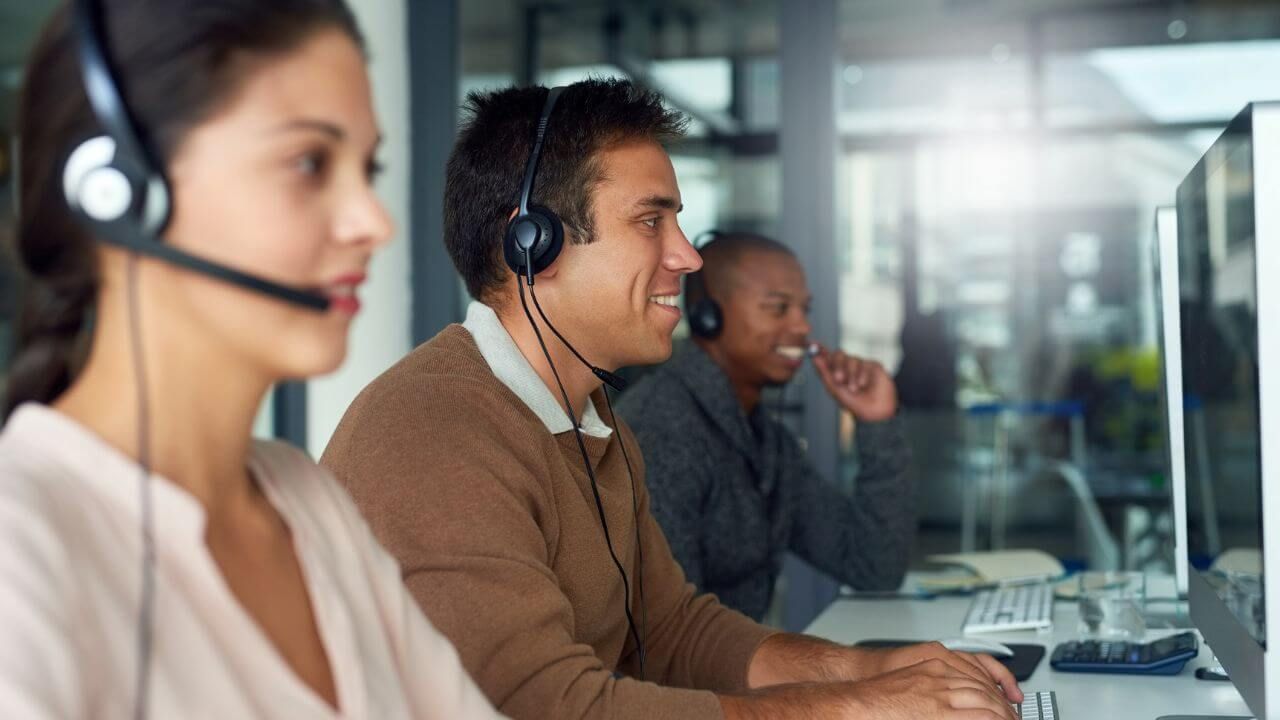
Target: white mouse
(977, 645)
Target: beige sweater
(493, 522)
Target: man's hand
(787, 659)
(928, 690)
(977, 667)
(862, 387)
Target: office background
(971, 185)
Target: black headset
(535, 235)
(532, 242)
(705, 316)
(115, 184)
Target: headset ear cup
(552, 239)
(516, 237)
(105, 195)
(541, 231)
(93, 185)
(706, 320)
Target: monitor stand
(1212, 673)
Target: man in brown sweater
(466, 462)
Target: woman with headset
(196, 213)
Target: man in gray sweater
(730, 486)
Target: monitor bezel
(1254, 671)
(1170, 328)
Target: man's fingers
(975, 670)
(839, 366)
(864, 374)
(976, 662)
(969, 666)
(852, 372)
(847, 372)
(1002, 676)
(956, 667)
(979, 698)
(833, 369)
(964, 691)
(826, 370)
(962, 662)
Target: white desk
(1080, 696)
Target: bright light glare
(986, 174)
(1202, 81)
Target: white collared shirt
(510, 366)
(70, 579)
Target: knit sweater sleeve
(692, 640)
(677, 484)
(863, 540)
(465, 508)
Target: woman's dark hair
(178, 62)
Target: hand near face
(862, 387)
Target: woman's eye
(374, 170)
(313, 163)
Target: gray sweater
(732, 492)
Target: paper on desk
(997, 566)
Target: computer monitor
(1168, 329)
(1229, 281)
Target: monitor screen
(1217, 279)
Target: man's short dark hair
(482, 183)
(720, 258)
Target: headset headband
(102, 89)
(531, 169)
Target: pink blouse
(70, 579)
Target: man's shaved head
(721, 258)
(764, 303)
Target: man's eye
(651, 222)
